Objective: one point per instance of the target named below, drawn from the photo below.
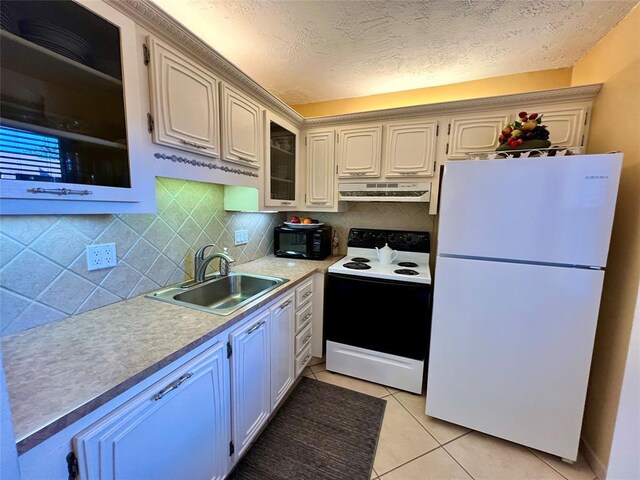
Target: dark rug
(322, 432)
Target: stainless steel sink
(219, 295)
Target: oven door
(380, 315)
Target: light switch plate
(101, 256)
(241, 237)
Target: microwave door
(294, 244)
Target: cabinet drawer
(304, 293)
(303, 338)
(303, 359)
(304, 316)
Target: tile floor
(413, 446)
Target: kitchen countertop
(59, 372)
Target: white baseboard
(591, 458)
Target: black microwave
(309, 243)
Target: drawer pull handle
(285, 304)
(173, 386)
(306, 317)
(306, 294)
(408, 173)
(306, 359)
(318, 203)
(244, 159)
(306, 340)
(193, 144)
(255, 327)
(357, 174)
(60, 191)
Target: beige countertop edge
(41, 364)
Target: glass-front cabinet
(63, 125)
(281, 163)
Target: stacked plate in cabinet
(56, 39)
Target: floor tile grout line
(409, 461)
(457, 438)
(456, 460)
(546, 463)
(419, 422)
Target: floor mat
(322, 432)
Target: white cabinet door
(359, 151)
(250, 384)
(282, 345)
(184, 102)
(89, 157)
(282, 166)
(410, 149)
(566, 125)
(320, 168)
(475, 133)
(241, 132)
(178, 428)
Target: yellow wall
(488, 87)
(615, 125)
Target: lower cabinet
(282, 348)
(177, 428)
(250, 380)
(199, 414)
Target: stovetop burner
(407, 264)
(357, 266)
(405, 271)
(361, 260)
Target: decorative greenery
(527, 127)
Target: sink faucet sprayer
(201, 262)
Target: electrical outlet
(241, 237)
(101, 256)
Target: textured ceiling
(308, 51)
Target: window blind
(27, 154)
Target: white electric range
(378, 316)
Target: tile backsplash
(43, 267)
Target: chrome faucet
(199, 258)
(201, 262)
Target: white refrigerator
(522, 248)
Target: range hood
(385, 192)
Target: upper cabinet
(566, 123)
(359, 151)
(64, 128)
(478, 132)
(184, 102)
(281, 162)
(321, 175)
(241, 131)
(410, 149)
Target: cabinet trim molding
(200, 163)
(563, 95)
(153, 18)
